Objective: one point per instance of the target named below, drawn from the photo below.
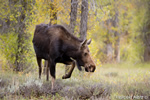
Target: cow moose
(56, 45)
(67, 61)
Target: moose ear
(84, 42)
(89, 41)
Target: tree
(84, 18)
(73, 15)
(53, 13)
(109, 36)
(146, 31)
(21, 36)
(15, 38)
(116, 33)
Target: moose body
(56, 45)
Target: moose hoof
(53, 93)
(66, 76)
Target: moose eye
(85, 54)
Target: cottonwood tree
(73, 15)
(84, 19)
(53, 13)
(109, 36)
(21, 35)
(16, 15)
(116, 32)
(146, 30)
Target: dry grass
(109, 82)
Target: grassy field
(108, 82)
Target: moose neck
(71, 43)
(73, 49)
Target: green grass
(110, 81)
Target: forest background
(119, 29)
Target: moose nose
(86, 69)
(90, 68)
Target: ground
(109, 82)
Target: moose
(57, 45)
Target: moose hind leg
(68, 75)
(40, 67)
(51, 66)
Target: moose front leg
(68, 75)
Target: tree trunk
(84, 18)
(109, 51)
(53, 13)
(146, 31)
(117, 35)
(109, 47)
(21, 37)
(147, 43)
(73, 15)
(117, 47)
